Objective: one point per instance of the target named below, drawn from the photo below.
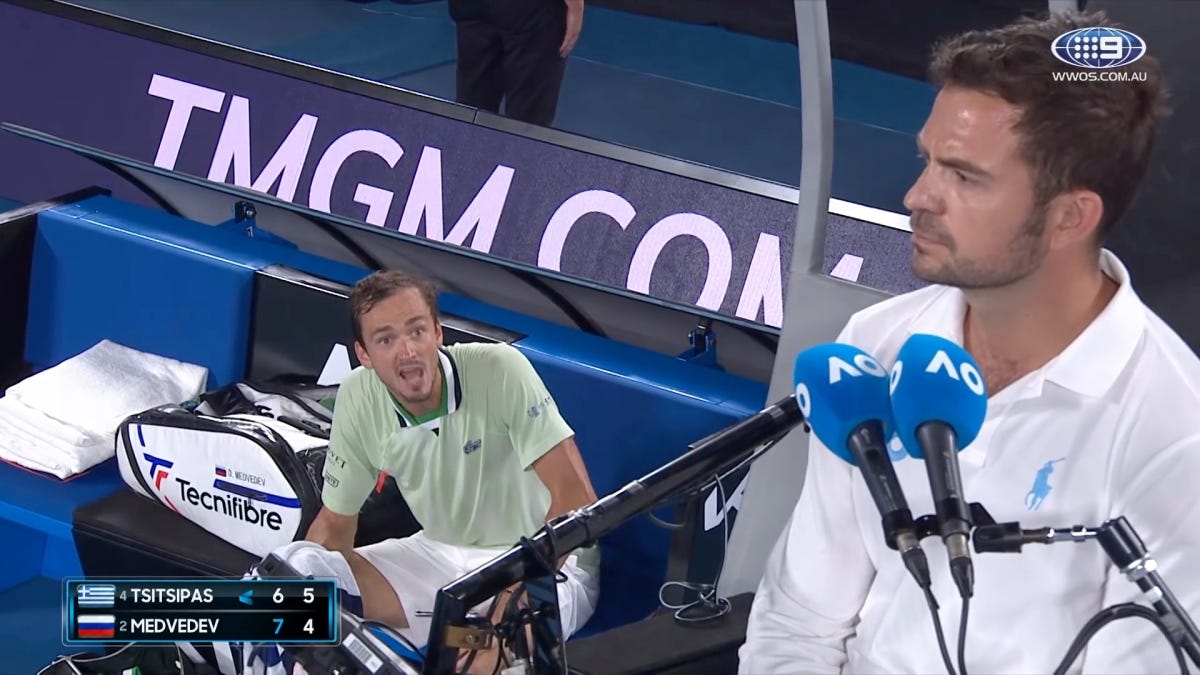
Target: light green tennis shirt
(466, 470)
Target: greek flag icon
(95, 595)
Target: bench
(35, 511)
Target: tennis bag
(131, 659)
(245, 462)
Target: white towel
(48, 452)
(94, 391)
(30, 421)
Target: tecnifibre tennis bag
(246, 464)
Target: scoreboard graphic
(281, 611)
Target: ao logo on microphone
(964, 372)
(862, 364)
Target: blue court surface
(31, 616)
(695, 92)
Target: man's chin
(931, 274)
(413, 396)
(922, 267)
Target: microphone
(939, 402)
(843, 393)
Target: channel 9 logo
(1098, 47)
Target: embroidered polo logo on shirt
(1041, 485)
(536, 409)
(472, 445)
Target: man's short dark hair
(1094, 135)
(379, 286)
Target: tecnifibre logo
(1100, 50)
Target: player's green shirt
(466, 470)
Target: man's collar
(1091, 363)
(454, 392)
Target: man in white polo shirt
(1094, 403)
(477, 447)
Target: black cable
(664, 524)
(562, 645)
(466, 668)
(551, 565)
(937, 626)
(1109, 614)
(500, 640)
(683, 498)
(753, 456)
(501, 658)
(707, 597)
(962, 637)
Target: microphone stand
(1124, 548)
(450, 630)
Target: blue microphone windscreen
(935, 380)
(839, 387)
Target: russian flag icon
(222, 472)
(96, 625)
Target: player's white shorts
(417, 567)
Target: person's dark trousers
(508, 52)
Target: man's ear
(1074, 217)
(361, 352)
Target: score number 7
(308, 626)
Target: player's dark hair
(381, 285)
(1076, 134)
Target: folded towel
(94, 391)
(24, 418)
(43, 459)
(46, 452)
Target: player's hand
(574, 26)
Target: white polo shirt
(1110, 427)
